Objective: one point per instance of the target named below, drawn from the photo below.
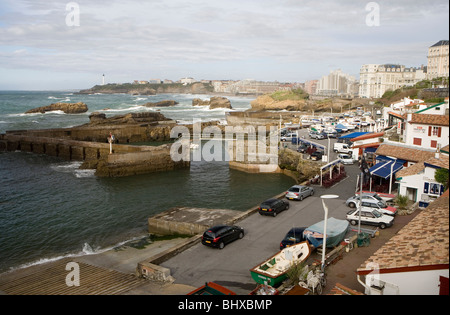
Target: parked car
(321, 136)
(299, 192)
(302, 148)
(220, 235)
(332, 134)
(288, 136)
(377, 205)
(346, 158)
(370, 217)
(313, 134)
(342, 148)
(273, 206)
(317, 156)
(294, 236)
(353, 201)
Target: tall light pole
(325, 209)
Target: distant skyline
(57, 45)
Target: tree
(441, 176)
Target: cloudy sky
(54, 44)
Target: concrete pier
(126, 160)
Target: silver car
(369, 197)
(299, 192)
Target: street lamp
(325, 209)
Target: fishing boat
(274, 270)
(336, 230)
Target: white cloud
(283, 40)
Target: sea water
(50, 209)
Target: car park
(294, 236)
(299, 192)
(273, 206)
(220, 235)
(370, 217)
(346, 158)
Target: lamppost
(325, 209)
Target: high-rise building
(336, 83)
(438, 60)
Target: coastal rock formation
(68, 108)
(214, 102)
(266, 102)
(150, 89)
(97, 118)
(166, 103)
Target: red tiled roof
(368, 136)
(427, 119)
(407, 154)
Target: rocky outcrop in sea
(68, 108)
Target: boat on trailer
(274, 270)
(336, 231)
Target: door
(411, 193)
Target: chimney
(438, 151)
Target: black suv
(220, 235)
(273, 206)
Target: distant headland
(150, 89)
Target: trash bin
(363, 240)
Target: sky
(58, 45)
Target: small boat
(336, 231)
(274, 270)
(211, 288)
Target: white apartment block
(336, 83)
(376, 79)
(438, 61)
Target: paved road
(230, 266)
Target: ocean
(50, 209)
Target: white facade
(426, 135)
(376, 79)
(438, 60)
(406, 283)
(421, 186)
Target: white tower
(103, 80)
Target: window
(434, 131)
(433, 143)
(417, 141)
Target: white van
(342, 148)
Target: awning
(384, 169)
(354, 135)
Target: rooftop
(422, 244)
(441, 43)
(404, 153)
(427, 119)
